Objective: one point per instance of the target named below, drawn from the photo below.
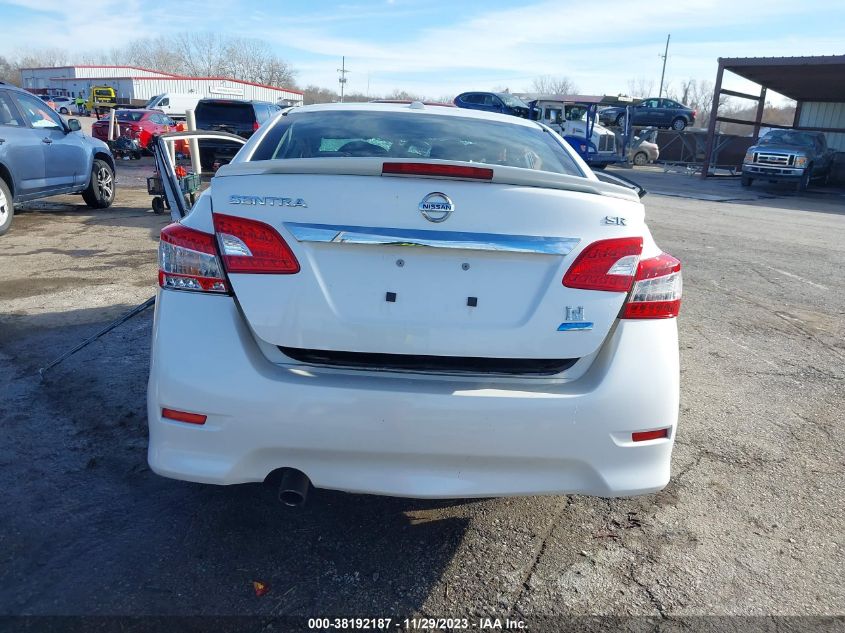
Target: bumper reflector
(643, 436)
(183, 416)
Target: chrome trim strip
(342, 234)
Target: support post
(759, 116)
(112, 124)
(711, 124)
(193, 143)
(797, 120)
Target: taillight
(249, 246)
(255, 126)
(436, 169)
(657, 289)
(606, 265)
(187, 260)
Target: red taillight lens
(644, 436)
(249, 246)
(606, 265)
(657, 289)
(434, 169)
(255, 125)
(183, 416)
(187, 260)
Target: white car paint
(414, 432)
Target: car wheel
(63, 111)
(746, 181)
(7, 207)
(805, 179)
(679, 124)
(158, 205)
(640, 159)
(100, 191)
(620, 120)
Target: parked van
(174, 104)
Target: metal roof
(817, 78)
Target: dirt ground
(751, 523)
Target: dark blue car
(502, 102)
(651, 112)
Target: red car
(139, 124)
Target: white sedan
(414, 300)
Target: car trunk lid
(386, 271)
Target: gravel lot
(751, 523)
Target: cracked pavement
(750, 523)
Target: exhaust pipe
(294, 488)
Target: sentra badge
(267, 201)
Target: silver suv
(42, 155)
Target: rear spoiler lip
(373, 167)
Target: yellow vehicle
(101, 99)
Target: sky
(442, 47)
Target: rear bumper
(402, 434)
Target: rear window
(226, 113)
(413, 135)
(129, 115)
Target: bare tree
(197, 54)
(404, 95)
(9, 72)
(640, 87)
(316, 94)
(553, 85)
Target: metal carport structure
(817, 79)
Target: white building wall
(103, 72)
(45, 78)
(136, 86)
(219, 88)
(821, 114)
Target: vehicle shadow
(91, 530)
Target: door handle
(46, 140)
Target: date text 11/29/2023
(415, 624)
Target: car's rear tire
(101, 189)
(640, 159)
(746, 181)
(679, 124)
(63, 111)
(7, 207)
(620, 120)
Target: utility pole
(342, 70)
(663, 73)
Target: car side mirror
(73, 125)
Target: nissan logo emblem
(436, 207)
